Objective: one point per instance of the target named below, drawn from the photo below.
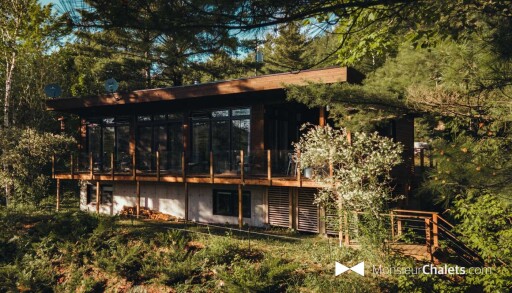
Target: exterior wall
(201, 205)
(169, 198)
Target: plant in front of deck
(353, 170)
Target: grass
(79, 252)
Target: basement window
(225, 203)
(106, 194)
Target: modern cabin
(217, 152)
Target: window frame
(232, 201)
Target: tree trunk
(10, 65)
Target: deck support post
(297, 166)
(138, 198)
(242, 167)
(240, 208)
(183, 166)
(186, 201)
(57, 207)
(391, 218)
(98, 195)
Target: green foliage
(26, 156)
(360, 167)
(267, 276)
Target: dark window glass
(225, 203)
(220, 113)
(94, 140)
(175, 145)
(175, 116)
(106, 194)
(144, 118)
(241, 112)
(160, 117)
(240, 132)
(108, 145)
(144, 140)
(220, 146)
(200, 146)
(123, 158)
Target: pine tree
(289, 51)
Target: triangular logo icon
(358, 268)
(340, 269)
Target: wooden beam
(58, 195)
(138, 198)
(134, 166)
(297, 167)
(98, 195)
(238, 86)
(240, 207)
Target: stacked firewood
(149, 214)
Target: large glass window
(162, 133)
(224, 132)
(225, 203)
(106, 137)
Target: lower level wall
(169, 198)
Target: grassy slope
(77, 252)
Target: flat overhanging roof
(235, 87)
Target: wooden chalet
(215, 152)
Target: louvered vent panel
(279, 206)
(307, 210)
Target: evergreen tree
(289, 51)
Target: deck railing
(411, 227)
(263, 164)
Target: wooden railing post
(428, 238)
(435, 231)
(112, 165)
(391, 217)
(269, 166)
(158, 165)
(72, 167)
(211, 167)
(242, 164)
